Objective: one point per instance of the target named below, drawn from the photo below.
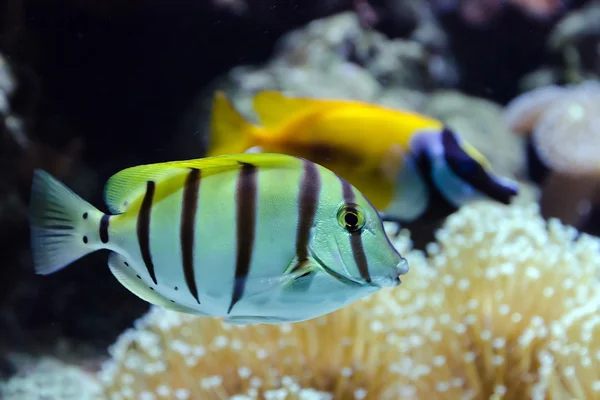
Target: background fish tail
(59, 221)
(230, 133)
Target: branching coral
(505, 306)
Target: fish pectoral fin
(260, 285)
(300, 269)
(249, 320)
(301, 274)
(130, 184)
(295, 273)
(127, 278)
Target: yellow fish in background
(408, 165)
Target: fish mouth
(393, 279)
(337, 276)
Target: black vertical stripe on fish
(356, 244)
(143, 228)
(438, 206)
(245, 200)
(104, 221)
(189, 208)
(471, 171)
(308, 198)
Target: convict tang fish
(410, 166)
(255, 238)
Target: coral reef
(505, 306)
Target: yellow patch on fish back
(125, 189)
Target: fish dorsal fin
(230, 132)
(129, 185)
(273, 108)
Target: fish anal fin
(129, 280)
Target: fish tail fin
(60, 223)
(230, 132)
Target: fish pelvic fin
(230, 132)
(64, 227)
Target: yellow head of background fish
(400, 160)
(253, 237)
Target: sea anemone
(505, 306)
(564, 123)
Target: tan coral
(565, 127)
(505, 307)
(565, 124)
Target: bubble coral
(51, 379)
(564, 123)
(505, 306)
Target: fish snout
(400, 269)
(393, 277)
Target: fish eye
(351, 217)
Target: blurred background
(89, 87)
